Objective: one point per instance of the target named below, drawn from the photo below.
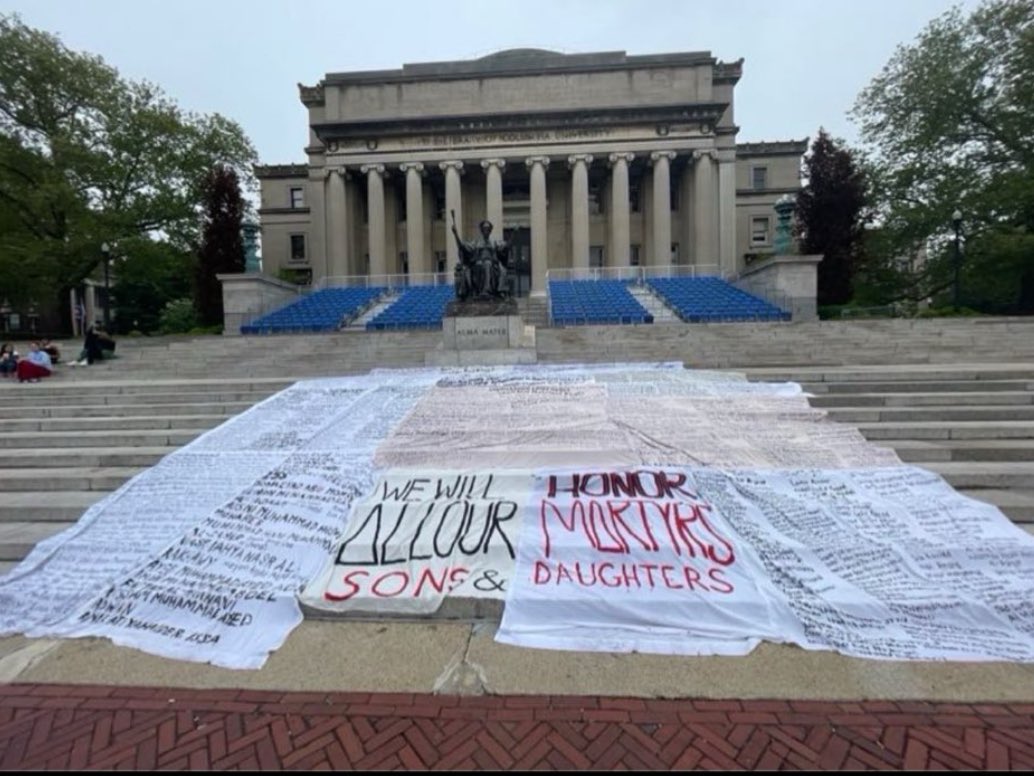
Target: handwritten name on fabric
(635, 560)
(226, 591)
(878, 562)
(886, 562)
(422, 536)
(117, 534)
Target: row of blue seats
(582, 319)
(418, 307)
(712, 299)
(319, 311)
(576, 302)
(286, 328)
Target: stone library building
(600, 160)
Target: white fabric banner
(422, 536)
(886, 562)
(202, 556)
(636, 560)
(226, 591)
(117, 534)
(392, 491)
(880, 563)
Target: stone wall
(248, 295)
(791, 282)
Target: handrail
(639, 274)
(384, 281)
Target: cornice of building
(705, 114)
(311, 95)
(728, 72)
(519, 62)
(281, 171)
(773, 148)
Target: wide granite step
(58, 439)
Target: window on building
(404, 263)
(297, 196)
(297, 247)
(675, 254)
(674, 195)
(634, 197)
(596, 256)
(439, 261)
(759, 230)
(364, 207)
(633, 255)
(595, 199)
(759, 177)
(400, 207)
(439, 207)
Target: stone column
(336, 215)
(453, 202)
(661, 162)
(579, 209)
(375, 211)
(620, 252)
(704, 212)
(418, 261)
(539, 252)
(727, 212)
(494, 194)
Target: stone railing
(790, 282)
(248, 295)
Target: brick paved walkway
(81, 726)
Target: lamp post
(956, 220)
(106, 251)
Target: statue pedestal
(485, 333)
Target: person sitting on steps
(8, 359)
(34, 366)
(50, 349)
(97, 341)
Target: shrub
(947, 312)
(178, 317)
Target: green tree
(88, 157)
(222, 245)
(831, 215)
(150, 275)
(948, 125)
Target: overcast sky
(805, 60)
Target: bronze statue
(482, 270)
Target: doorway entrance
(520, 260)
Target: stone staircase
(382, 303)
(65, 444)
(70, 439)
(973, 425)
(657, 307)
(534, 311)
